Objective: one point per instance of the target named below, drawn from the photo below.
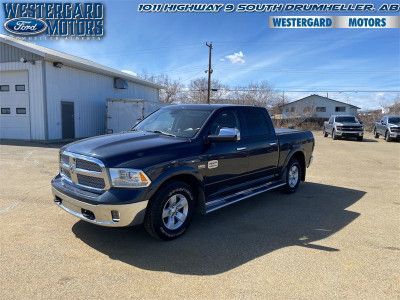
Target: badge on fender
(212, 164)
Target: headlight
(339, 127)
(129, 178)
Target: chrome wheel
(175, 211)
(293, 177)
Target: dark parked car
(179, 160)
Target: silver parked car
(388, 127)
(343, 126)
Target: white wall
(36, 104)
(89, 92)
(316, 101)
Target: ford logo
(25, 26)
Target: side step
(236, 197)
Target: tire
(360, 138)
(291, 186)
(376, 135)
(387, 136)
(334, 136)
(170, 227)
(325, 133)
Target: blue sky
(246, 50)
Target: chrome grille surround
(88, 167)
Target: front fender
(171, 173)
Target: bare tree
(392, 107)
(198, 91)
(172, 92)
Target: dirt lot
(338, 236)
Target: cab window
(225, 119)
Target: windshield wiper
(161, 132)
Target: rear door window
(256, 122)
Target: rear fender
(295, 150)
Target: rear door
(261, 142)
(67, 120)
(382, 126)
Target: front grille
(66, 173)
(87, 165)
(348, 128)
(395, 129)
(64, 159)
(79, 169)
(90, 181)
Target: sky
(245, 50)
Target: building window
(340, 108)
(20, 88)
(4, 88)
(290, 109)
(21, 111)
(5, 111)
(307, 109)
(321, 109)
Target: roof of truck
(208, 106)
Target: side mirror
(225, 135)
(361, 123)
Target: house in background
(315, 106)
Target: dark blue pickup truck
(179, 160)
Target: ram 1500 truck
(178, 160)
(343, 126)
(389, 127)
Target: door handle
(241, 148)
(272, 144)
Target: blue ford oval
(25, 26)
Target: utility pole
(209, 71)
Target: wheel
(170, 211)
(334, 136)
(387, 136)
(360, 138)
(293, 176)
(325, 133)
(376, 135)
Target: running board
(236, 197)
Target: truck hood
(349, 124)
(116, 150)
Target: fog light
(115, 215)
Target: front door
(225, 162)
(262, 144)
(67, 119)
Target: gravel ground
(338, 236)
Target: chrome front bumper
(101, 214)
(394, 134)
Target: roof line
(70, 60)
(321, 97)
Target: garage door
(14, 104)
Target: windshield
(174, 121)
(394, 120)
(346, 119)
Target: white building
(50, 95)
(315, 106)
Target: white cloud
(222, 59)
(236, 58)
(130, 72)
